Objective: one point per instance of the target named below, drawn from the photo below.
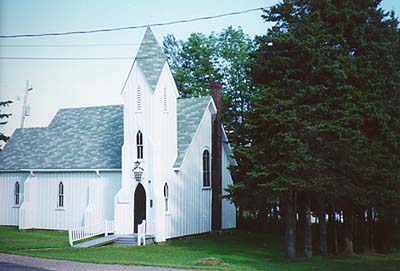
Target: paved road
(23, 263)
(17, 267)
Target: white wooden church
(157, 158)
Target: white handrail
(81, 233)
(141, 234)
(144, 228)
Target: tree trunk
(307, 227)
(240, 218)
(262, 217)
(332, 221)
(362, 232)
(371, 220)
(348, 221)
(323, 244)
(290, 224)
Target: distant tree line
(312, 109)
(3, 121)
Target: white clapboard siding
(41, 210)
(9, 212)
(228, 208)
(190, 202)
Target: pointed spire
(151, 58)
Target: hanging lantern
(138, 171)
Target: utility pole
(25, 107)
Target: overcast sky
(62, 84)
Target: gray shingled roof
(77, 138)
(151, 58)
(190, 112)
(88, 138)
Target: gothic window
(206, 168)
(16, 193)
(166, 197)
(139, 145)
(60, 202)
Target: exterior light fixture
(138, 171)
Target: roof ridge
(27, 128)
(90, 106)
(188, 98)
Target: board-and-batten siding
(190, 202)
(228, 208)
(158, 125)
(86, 197)
(9, 212)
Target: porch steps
(97, 242)
(131, 240)
(126, 240)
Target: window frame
(166, 197)
(17, 193)
(206, 168)
(139, 145)
(60, 195)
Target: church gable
(190, 113)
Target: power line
(66, 58)
(132, 27)
(70, 45)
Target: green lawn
(238, 251)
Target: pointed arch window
(166, 197)
(139, 145)
(16, 193)
(60, 202)
(206, 168)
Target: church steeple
(151, 58)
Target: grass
(235, 251)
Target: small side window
(166, 197)
(139, 145)
(206, 169)
(16, 193)
(60, 202)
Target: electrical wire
(70, 45)
(66, 58)
(132, 27)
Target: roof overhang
(61, 170)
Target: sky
(63, 84)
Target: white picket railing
(146, 227)
(81, 233)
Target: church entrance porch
(139, 206)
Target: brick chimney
(216, 164)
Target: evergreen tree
(3, 120)
(326, 121)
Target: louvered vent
(165, 99)
(139, 99)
